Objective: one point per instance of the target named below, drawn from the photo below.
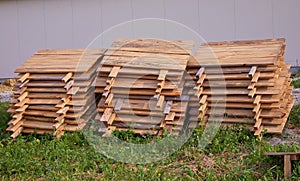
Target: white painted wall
(29, 25)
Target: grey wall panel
(253, 19)
(86, 22)
(148, 9)
(216, 20)
(187, 15)
(9, 42)
(36, 24)
(115, 12)
(31, 27)
(287, 24)
(59, 23)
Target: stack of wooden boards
(241, 82)
(54, 92)
(141, 82)
(153, 85)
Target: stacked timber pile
(153, 85)
(243, 82)
(53, 92)
(141, 83)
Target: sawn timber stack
(53, 92)
(248, 81)
(154, 85)
(141, 82)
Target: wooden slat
(17, 132)
(252, 71)
(106, 115)
(168, 107)
(24, 77)
(114, 72)
(160, 101)
(162, 75)
(287, 166)
(67, 77)
(119, 104)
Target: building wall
(29, 25)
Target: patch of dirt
(6, 88)
(7, 85)
(291, 134)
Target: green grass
(234, 154)
(294, 116)
(296, 83)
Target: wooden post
(287, 166)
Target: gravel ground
(290, 135)
(296, 93)
(5, 96)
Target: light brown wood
(162, 74)
(24, 77)
(114, 72)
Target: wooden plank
(22, 109)
(258, 123)
(160, 101)
(255, 77)
(257, 99)
(280, 153)
(257, 115)
(23, 96)
(202, 108)
(63, 110)
(19, 91)
(58, 124)
(16, 133)
(201, 79)
(252, 85)
(37, 125)
(73, 90)
(287, 166)
(200, 72)
(15, 120)
(252, 92)
(13, 127)
(111, 119)
(162, 75)
(69, 85)
(119, 104)
(67, 77)
(109, 99)
(258, 131)
(170, 116)
(252, 71)
(203, 99)
(106, 115)
(114, 72)
(24, 84)
(60, 118)
(199, 92)
(256, 108)
(168, 107)
(24, 77)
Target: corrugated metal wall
(29, 25)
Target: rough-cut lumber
(252, 78)
(51, 87)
